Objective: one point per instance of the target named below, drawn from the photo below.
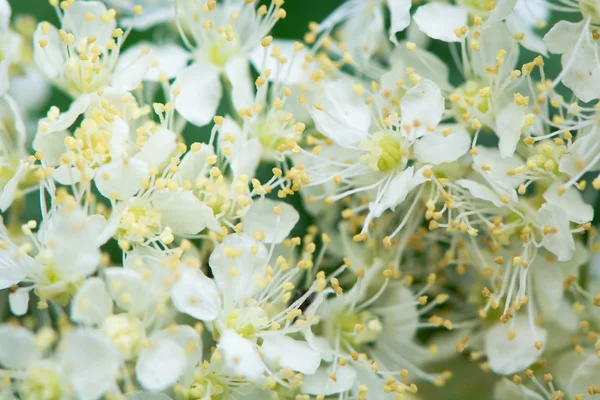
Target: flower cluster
(400, 200)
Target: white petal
(49, 59)
(67, 175)
(132, 68)
(92, 303)
(158, 149)
(531, 40)
(320, 382)
(571, 202)
(583, 76)
(501, 10)
(262, 217)
(561, 242)
(398, 189)
(248, 266)
(128, 289)
(52, 145)
(345, 118)
(75, 22)
(506, 390)
(289, 353)
(399, 17)
(562, 36)
(437, 148)
(90, 361)
(66, 119)
(585, 376)
(188, 339)
(194, 163)
(507, 356)
(429, 65)
(237, 70)
(19, 301)
(121, 181)
(246, 159)
(422, 104)
(200, 94)
(428, 18)
(480, 191)
(5, 14)
(13, 271)
(160, 364)
(196, 295)
(240, 355)
(183, 212)
(18, 348)
(167, 59)
(509, 122)
(9, 191)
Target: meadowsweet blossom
(198, 203)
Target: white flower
(234, 303)
(83, 56)
(219, 54)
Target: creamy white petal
(75, 22)
(480, 191)
(128, 289)
(436, 148)
(49, 59)
(189, 340)
(19, 301)
(92, 303)
(90, 362)
(438, 20)
(18, 348)
(507, 356)
(183, 212)
(509, 122)
(501, 10)
(52, 145)
(345, 118)
(160, 364)
(248, 266)
(423, 106)
(320, 382)
(571, 202)
(399, 17)
(262, 217)
(507, 390)
(121, 180)
(200, 94)
(131, 69)
(561, 242)
(168, 58)
(67, 175)
(240, 355)
(237, 70)
(289, 353)
(585, 376)
(562, 36)
(196, 295)
(583, 75)
(158, 148)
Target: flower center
(42, 383)
(359, 328)
(384, 152)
